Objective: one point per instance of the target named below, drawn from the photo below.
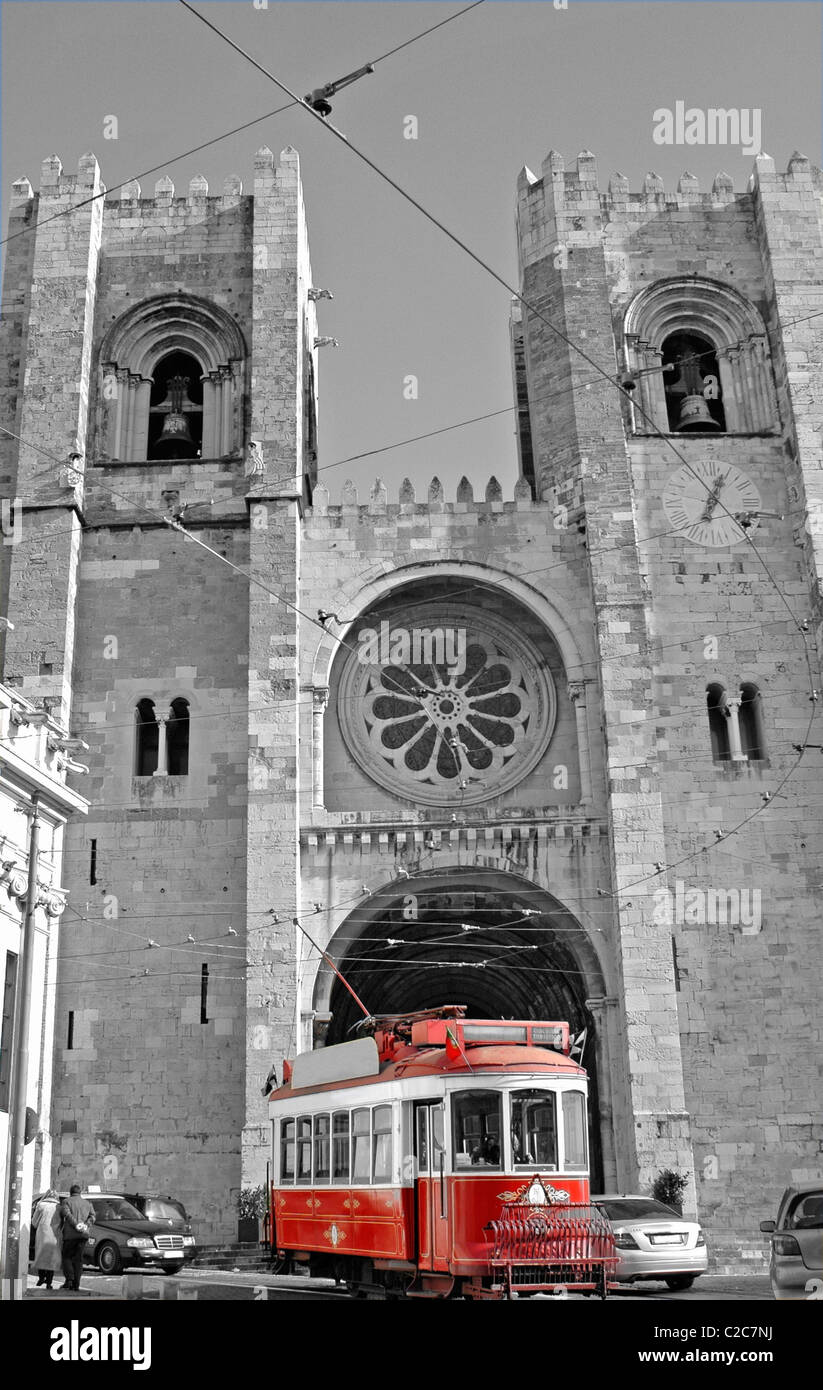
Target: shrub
(251, 1202)
(668, 1188)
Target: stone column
(731, 707)
(162, 753)
(225, 442)
(577, 695)
(320, 699)
(602, 1011)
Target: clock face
(698, 502)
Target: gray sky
(493, 91)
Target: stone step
(231, 1256)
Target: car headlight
(139, 1242)
(701, 1239)
(624, 1241)
(188, 1240)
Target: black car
(121, 1235)
(163, 1209)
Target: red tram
(439, 1156)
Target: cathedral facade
(543, 755)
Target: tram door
(432, 1189)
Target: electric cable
(484, 265)
(215, 140)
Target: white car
(653, 1242)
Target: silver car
(653, 1242)
(796, 1264)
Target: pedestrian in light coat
(48, 1240)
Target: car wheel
(681, 1281)
(171, 1269)
(108, 1258)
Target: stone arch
(131, 351)
(359, 597)
(565, 976)
(168, 323)
(731, 324)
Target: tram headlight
(624, 1241)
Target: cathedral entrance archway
(492, 941)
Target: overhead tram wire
(551, 326)
(651, 649)
(478, 260)
(457, 241)
(216, 140)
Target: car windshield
(156, 1210)
(634, 1208)
(114, 1209)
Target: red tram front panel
(476, 1201)
(364, 1221)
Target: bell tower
(696, 522)
(160, 354)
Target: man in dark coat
(77, 1215)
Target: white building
(33, 760)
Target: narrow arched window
(750, 719)
(691, 381)
(147, 739)
(176, 408)
(718, 722)
(177, 738)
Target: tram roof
(500, 1060)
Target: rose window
(445, 705)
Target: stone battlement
(579, 184)
(435, 500)
(55, 183)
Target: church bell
(175, 440)
(695, 415)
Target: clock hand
(714, 498)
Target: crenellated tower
(532, 753)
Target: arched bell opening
(509, 951)
(176, 408)
(692, 384)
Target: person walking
(77, 1215)
(48, 1239)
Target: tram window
(422, 1142)
(304, 1149)
(476, 1128)
(287, 1151)
(340, 1146)
(574, 1129)
(438, 1115)
(381, 1144)
(321, 1148)
(534, 1128)
(360, 1137)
